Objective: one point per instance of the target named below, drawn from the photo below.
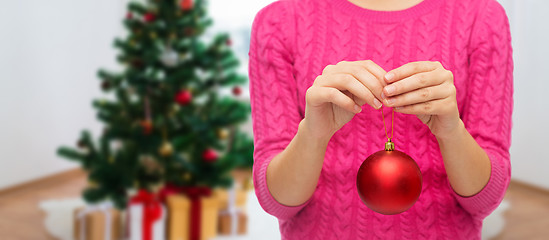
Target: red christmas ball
(149, 17)
(147, 126)
(209, 155)
(237, 91)
(183, 97)
(229, 42)
(187, 4)
(129, 15)
(389, 182)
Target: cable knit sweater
(291, 43)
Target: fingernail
(377, 103)
(389, 101)
(383, 95)
(389, 76)
(358, 109)
(389, 89)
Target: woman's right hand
(339, 93)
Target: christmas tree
(168, 121)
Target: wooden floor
(21, 219)
(528, 217)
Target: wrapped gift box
(241, 196)
(101, 222)
(180, 216)
(146, 217)
(226, 223)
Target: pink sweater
(291, 43)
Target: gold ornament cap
(389, 146)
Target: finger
(347, 82)
(416, 81)
(333, 68)
(420, 95)
(362, 74)
(317, 95)
(373, 68)
(329, 69)
(433, 107)
(358, 101)
(410, 69)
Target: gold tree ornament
(166, 149)
(222, 133)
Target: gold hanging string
(389, 145)
(392, 123)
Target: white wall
(50, 52)
(530, 33)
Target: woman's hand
(339, 93)
(427, 90)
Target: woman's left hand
(427, 90)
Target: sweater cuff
(266, 200)
(484, 202)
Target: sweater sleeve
(273, 96)
(487, 115)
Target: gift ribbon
(152, 211)
(193, 193)
(103, 207)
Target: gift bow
(152, 211)
(194, 193)
(103, 207)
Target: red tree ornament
(229, 42)
(209, 155)
(389, 182)
(237, 91)
(147, 126)
(149, 17)
(129, 15)
(186, 4)
(183, 97)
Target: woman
(320, 70)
